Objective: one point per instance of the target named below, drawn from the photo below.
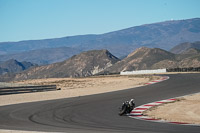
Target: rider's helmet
(132, 101)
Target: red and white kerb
(156, 81)
(137, 113)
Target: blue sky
(42, 19)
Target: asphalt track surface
(99, 113)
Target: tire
(123, 110)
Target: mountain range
(185, 46)
(85, 64)
(97, 62)
(155, 58)
(164, 35)
(14, 66)
(43, 56)
(141, 59)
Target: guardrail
(189, 69)
(26, 89)
(143, 72)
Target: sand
(73, 87)
(186, 110)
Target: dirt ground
(73, 87)
(186, 110)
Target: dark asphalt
(99, 113)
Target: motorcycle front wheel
(122, 111)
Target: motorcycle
(126, 108)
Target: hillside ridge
(164, 35)
(82, 65)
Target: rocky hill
(191, 51)
(154, 58)
(82, 65)
(43, 56)
(164, 35)
(97, 62)
(142, 58)
(184, 47)
(13, 66)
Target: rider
(127, 107)
(132, 103)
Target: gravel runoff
(186, 110)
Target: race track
(99, 113)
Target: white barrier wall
(144, 72)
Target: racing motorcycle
(127, 107)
